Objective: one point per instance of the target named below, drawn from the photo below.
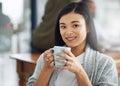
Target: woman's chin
(70, 45)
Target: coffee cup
(58, 49)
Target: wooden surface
(31, 58)
(26, 64)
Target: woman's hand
(48, 58)
(71, 63)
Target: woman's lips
(70, 38)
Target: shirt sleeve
(37, 71)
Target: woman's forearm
(82, 78)
(44, 77)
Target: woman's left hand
(71, 63)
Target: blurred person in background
(99, 29)
(105, 40)
(6, 31)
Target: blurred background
(22, 16)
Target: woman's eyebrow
(75, 21)
(62, 23)
(71, 22)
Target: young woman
(85, 66)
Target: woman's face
(73, 29)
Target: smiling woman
(73, 29)
(85, 65)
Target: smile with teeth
(70, 38)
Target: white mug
(59, 49)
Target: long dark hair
(81, 8)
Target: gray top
(100, 69)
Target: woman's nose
(69, 32)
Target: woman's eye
(62, 27)
(75, 26)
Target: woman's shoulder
(103, 58)
(97, 56)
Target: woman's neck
(78, 49)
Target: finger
(46, 59)
(62, 61)
(48, 54)
(68, 63)
(48, 51)
(62, 67)
(64, 56)
(45, 53)
(52, 64)
(49, 60)
(68, 52)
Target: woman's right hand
(49, 58)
